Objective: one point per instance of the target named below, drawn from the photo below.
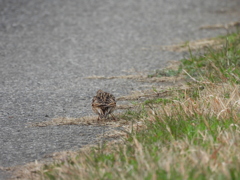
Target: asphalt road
(48, 47)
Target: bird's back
(103, 103)
(104, 99)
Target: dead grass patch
(117, 77)
(215, 43)
(221, 26)
(140, 78)
(87, 120)
(215, 100)
(194, 45)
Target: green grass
(221, 65)
(193, 135)
(157, 101)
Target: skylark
(103, 104)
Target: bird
(103, 104)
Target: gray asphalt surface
(48, 47)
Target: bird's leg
(101, 117)
(114, 118)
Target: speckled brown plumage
(103, 104)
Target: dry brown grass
(194, 45)
(218, 100)
(140, 78)
(221, 26)
(179, 156)
(86, 120)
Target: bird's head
(99, 92)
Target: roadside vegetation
(194, 133)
